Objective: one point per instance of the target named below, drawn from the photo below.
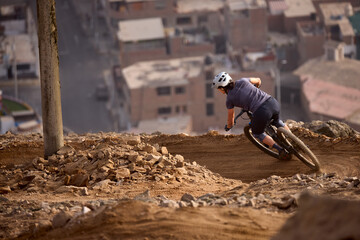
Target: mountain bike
(284, 138)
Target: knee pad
(260, 136)
(280, 124)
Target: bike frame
(269, 130)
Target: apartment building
(297, 11)
(141, 39)
(169, 88)
(147, 39)
(199, 27)
(276, 9)
(335, 18)
(245, 24)
(174, 13)
(18, 45)
(311, 39)
(284, 14)
(354, 3)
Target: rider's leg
(261, 118)
(266, 139)
(278, 123)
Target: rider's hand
(226, 128)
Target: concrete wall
(178, 48)
(309, 45)
(130, 57)
(290, 23)
(248, 30)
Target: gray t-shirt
(246, 96)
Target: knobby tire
(257, 143)
(301, 151)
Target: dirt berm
(211, 186)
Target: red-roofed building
(328, 101)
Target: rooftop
(277, 7)
(186, 6)
(299, 8)
(346, 28)
(236, 5)
(334, 13)
(332, 100)
(345, 72)
(141, 30)
(163, 72)
(311, 28)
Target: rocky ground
(213, 186)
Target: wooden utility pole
(49, 74)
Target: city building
(298, 10)
(284, 14)
(311, 40)
(141, 39)
(170, 88)
(245, 24)
(276, 10)
(354, 3)
(20, 59)
(335, 18)
(18, 45)
(147, 39)
(330, 86)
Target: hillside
(212, 186)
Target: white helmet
(221, 80)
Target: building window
(180, 90)
(177, 109)
(184, 109)
(164, 110)
(161, 91)
(160, 4)
(209, 91)
(21, 67)
(209, 109)
(183, 20)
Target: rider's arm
(231, 116)
(256, 82)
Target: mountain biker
(246, 94)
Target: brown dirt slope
(108, 185)
(233, 156)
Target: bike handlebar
(239, 115)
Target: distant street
(81, 70)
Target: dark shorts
(264, 114)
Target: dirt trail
(236, 157)
(108, 185)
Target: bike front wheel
(300, 150)
(248, 133)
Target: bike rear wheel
(248, 133)
(300, 150)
